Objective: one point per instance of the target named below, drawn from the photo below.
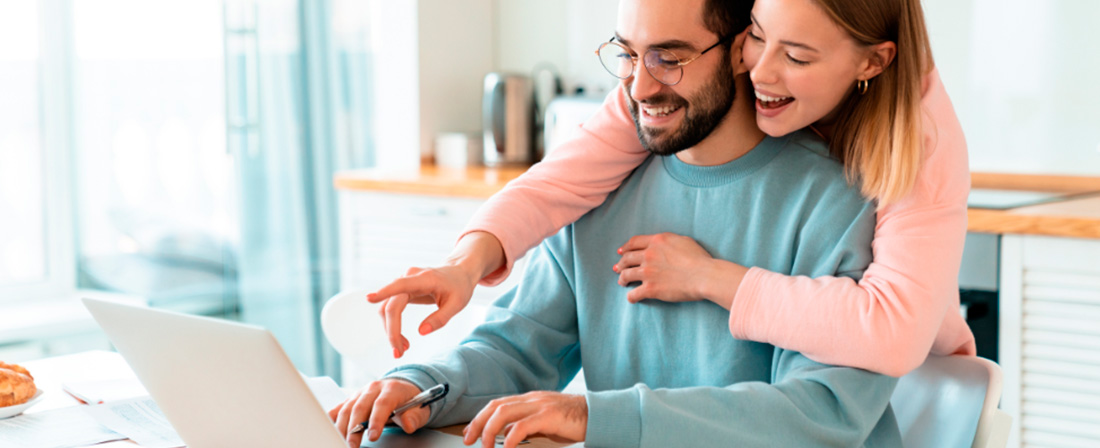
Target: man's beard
(706, 109)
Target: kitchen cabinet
(383, 234)
(1050, 339)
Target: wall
(397, 100)
(562, 33)
(456, 51)
(1022, 75)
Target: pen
(422, 399)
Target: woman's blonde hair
(878, 134)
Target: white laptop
(225, 384)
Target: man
(662, 374)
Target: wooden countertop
(1078, 217)
(474, 182)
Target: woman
(896, 133)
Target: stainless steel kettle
(508, 120)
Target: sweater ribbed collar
(732, 171)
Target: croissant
(16, 385)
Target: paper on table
(102, 391)
(326, 391)
(58, 428)
(139, 419)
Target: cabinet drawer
(1064, 255)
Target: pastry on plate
(16, 385)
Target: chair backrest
(951, 401)
(354, 328)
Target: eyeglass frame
(634, 58)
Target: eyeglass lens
(662, 64)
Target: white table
(50, 373)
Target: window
(154, 180)
(35, 246)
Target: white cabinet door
(384, 234)
(381, 236)
(1050, 340)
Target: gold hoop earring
(862, 85)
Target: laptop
(223, 383)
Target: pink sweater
(905, 306)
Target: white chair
(353, 327)
(951, 401)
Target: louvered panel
(1083, 296)
(399, 243)
(1087, 359)
(1054, 382)
(1062, 339)
(1076, 311)
(1059, 370)
(385, 234)
(1067, 325)
(1062, 427)
(1060, 397)
(412, 209)
(1083, 279)
(1036, 439)
(1068, 413)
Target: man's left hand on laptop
(375, 403)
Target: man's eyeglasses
(661, 63)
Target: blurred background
(182, 152)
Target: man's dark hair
(725, 17)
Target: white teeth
(769, 99)
(660, 111)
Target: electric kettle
(508, 120)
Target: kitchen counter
(1077, 217)
(475, 182)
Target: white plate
(12, 411)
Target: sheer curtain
(299, 94)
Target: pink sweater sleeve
(575, 178)
(907, 302)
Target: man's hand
(375, 403)
(561, 417)
(448, 287)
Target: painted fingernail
(396, 354)
(619, 250)
(425, 328)
(615, 268)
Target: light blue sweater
(666, 374)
